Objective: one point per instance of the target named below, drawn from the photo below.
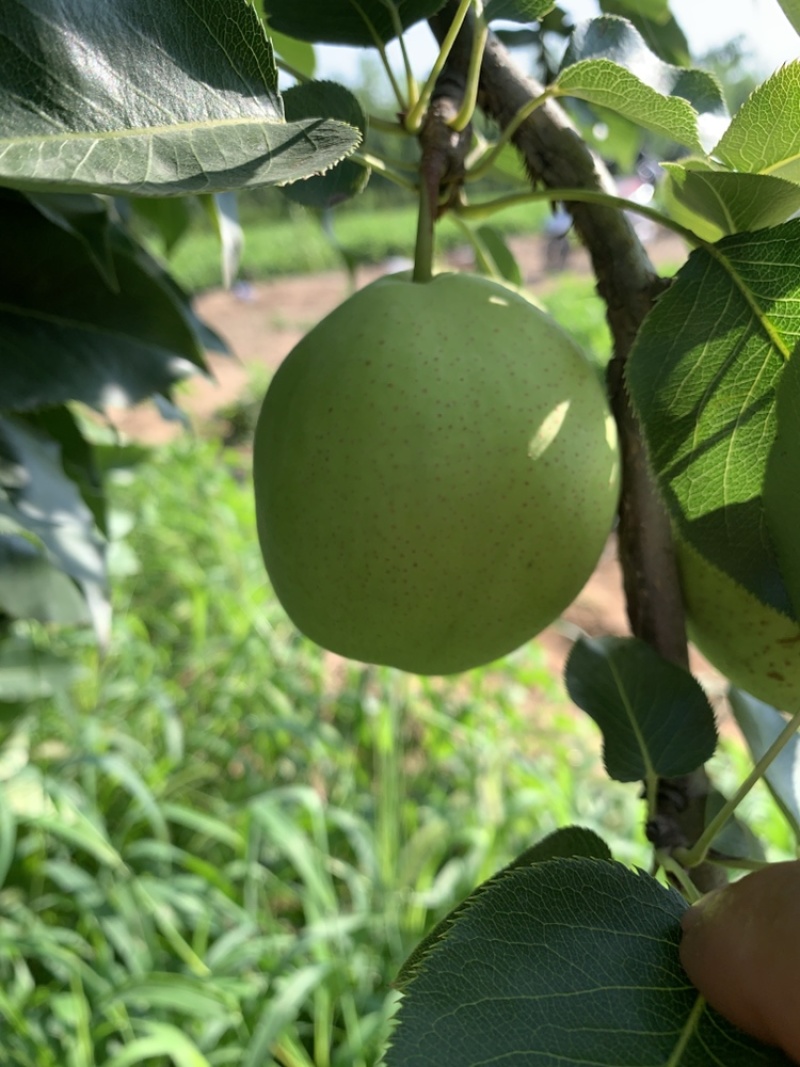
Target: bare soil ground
(263, 324)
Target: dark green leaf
(37, 497)
(85, 217)
(137, 98)
(761, 724)
(30, 673)
(608, 63)
(517, 10)
(65, 336)
(733, 202)
(782, 480)
(657, 25)
(764, 135)
(31, 587)
(346, 179)
(502, 258)
(791, 9)
(566, 843)
(658, 10)
(356, 22)
(703, 375)
(170, 217)
(77, 456)
(655, 717)
(568, 962)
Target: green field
(220, 843)
(298, 244)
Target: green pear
(752, 644)
(436, 472)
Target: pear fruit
(436, 472)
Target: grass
(218, 846)
(299, 245)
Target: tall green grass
(218, 845)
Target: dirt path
(263, 324)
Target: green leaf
(735, 841)
(281, 1009)
(300, 55)
(8, 837)
(657, 25)
(791, 9)
(655, 717)
(761, 724)
(30, 673)
(159, 1040)
(184, 994)
(571, 961)
(85, 217)
(764, 135)
(658, 10)
(566, 843)
(223, 210)
(702, 375)
(355, 22)
(346, 179)
(608, 63)
(782, 479)
(169, 217)
(517, 10)
(147, 99)
(731, 201)
(36, 496)
(31, 587)
(495, 248)
(78, 457)
(64, 335)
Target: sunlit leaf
(782, 479)
(734, 202)
(764, 135)
(703, 375)
(608, 63)
(148, 99)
